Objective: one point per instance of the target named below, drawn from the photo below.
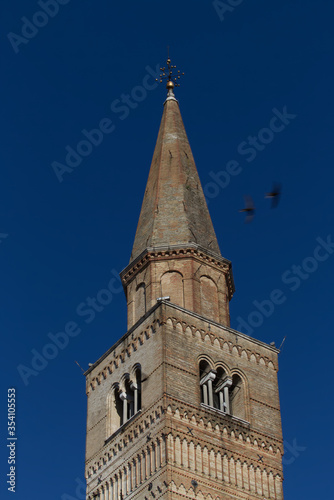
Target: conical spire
(174, 210)
(176, 255)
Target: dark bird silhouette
(274, 194)
(249, 209)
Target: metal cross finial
(167, 74)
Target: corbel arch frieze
(126, 353)
(209, 336)
(233, 430)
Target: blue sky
(62, 242)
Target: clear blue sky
(62, 242)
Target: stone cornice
(198, 252)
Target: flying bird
(274, 194)
(249, 209)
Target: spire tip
(172, 79)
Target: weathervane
(167, 74)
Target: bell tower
(182, 406)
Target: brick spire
(174, 210)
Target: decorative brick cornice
(144, 334)
(105, 465)
(133, 429)
(222, 339)
(223, 425)
(200, 254)
(118, 357)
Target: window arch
(209, 298)
(237, 397)
(128, 410)
(222, 391)
(138, 383)
(133, 393)
(140, 301)
(115, 410)
(124, 400)
(172, 286)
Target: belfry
(182, 406)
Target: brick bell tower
(182, 406)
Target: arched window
(220, 391)
(138, 389)
(115, 411)
(125, 401)
(237, 397)
(132, 396)
(209, 298)
(128, 410)
(172, 286)
(140, 301)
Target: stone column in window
(134, 388)
(221, 400)
(123, 483)
(125, 406)
(210, 391)
(227, 398)
(130, 405)
(224, 398)
(206, 383)
(205, 394)
(116, 485)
